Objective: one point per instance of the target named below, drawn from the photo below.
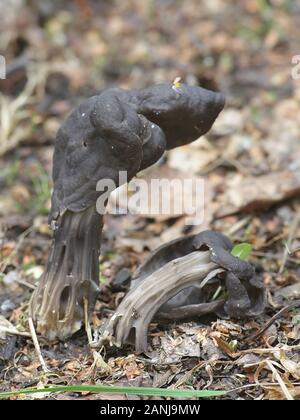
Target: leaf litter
(250, 162)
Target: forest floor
(250, 161)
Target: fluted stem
(71, 276)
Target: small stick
(283, 386)
(25, 283)
(292, 251)
(272, 320)
(14, 331)
(36, 345)
(6, 261)
(86, 322)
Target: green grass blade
(100, 389)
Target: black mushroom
(177, 282)
(117, 130)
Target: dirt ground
(58, 53)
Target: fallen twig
(272, 320)
(279, 380)
(37, 345)
(14, 331)
(86, 322)
(6, 261)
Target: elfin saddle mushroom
(117, 130)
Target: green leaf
(241, 251)
(100, 389)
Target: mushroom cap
(183, 112)
(124, 131)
